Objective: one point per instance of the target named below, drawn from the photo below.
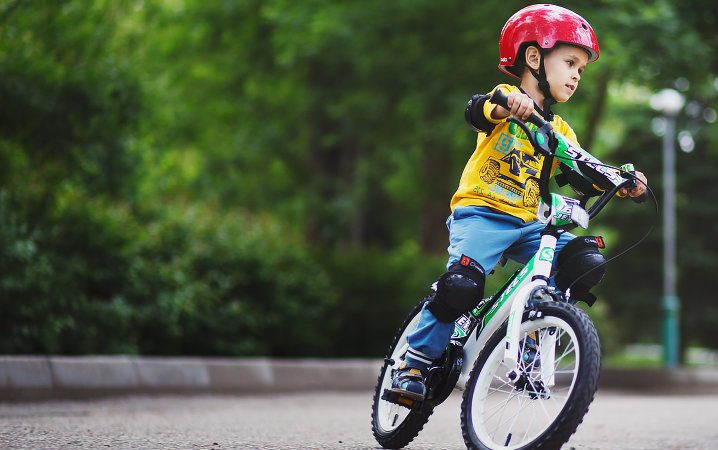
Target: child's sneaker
(409, 382)
(529, 354)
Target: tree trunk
(596, 111)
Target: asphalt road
(326, 421)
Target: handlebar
(631, 172)
(499, 98)
(543, 140)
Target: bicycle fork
(539, 273)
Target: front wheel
(541, 408)
(395, 426)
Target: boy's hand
(639, 189)
(521, 106)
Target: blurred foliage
(272, 177)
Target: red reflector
(599, 242)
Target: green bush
(377, 289)
(100, 278)
(232, 285)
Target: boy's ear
(532, 57)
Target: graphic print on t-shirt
(503, 173)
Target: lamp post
(669, 103)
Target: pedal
(398, 399)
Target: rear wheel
(543, 406)
(395, 426)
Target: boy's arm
(474, 114)
(483, 117)
(641, 185)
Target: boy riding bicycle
(547, 48)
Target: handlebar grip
(628, 167)
(641, 198)
(499, 98)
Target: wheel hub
(534, 388)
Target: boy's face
(564, 65)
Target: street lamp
(669, 103)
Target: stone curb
(46, 377)
(696, 381)
(49, 377)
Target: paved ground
(325, 421)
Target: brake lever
(544, 141)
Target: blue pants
(483, 235)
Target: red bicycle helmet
(544, 25)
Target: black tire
(478, 411)
(399, 434)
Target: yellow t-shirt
(504, 170)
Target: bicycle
(527, 358)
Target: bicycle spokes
(510, 413)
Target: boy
(547, 48)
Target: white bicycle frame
(511, 305)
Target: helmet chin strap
(544, 87)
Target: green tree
(170, 172)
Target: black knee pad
(580, 266)
(458, 290)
